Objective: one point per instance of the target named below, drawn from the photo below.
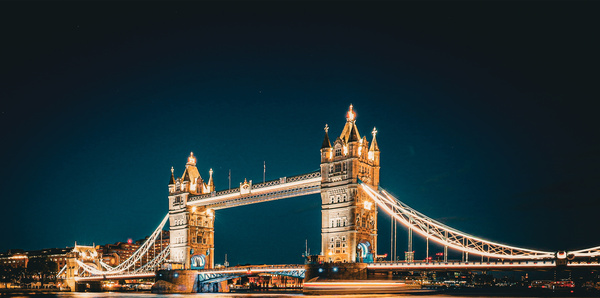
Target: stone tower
(191, 228)
(348, 216)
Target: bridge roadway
(298, 270)
(485, 266)
(284, 187)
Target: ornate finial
(172, 170)
(350, 116)
(374, 132)
(191, 159)
(326, 128)
(210, 172)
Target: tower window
(338, 152)
(338, 167)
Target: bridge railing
(477, 263)
(254, 268)
(275, 182)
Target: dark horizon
(487, 116)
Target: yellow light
(194, 209)
(345, 150)
(209, 212)
(351, 115)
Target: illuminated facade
(349, 216)
(191, 227)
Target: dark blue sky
(487, 116)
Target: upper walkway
(247, 193)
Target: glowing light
(17, 257)
(194, 209)
(345, 150)
(368, 205)
(209, 212)
(129, 241)
(335, 269)
(371, 155)
(350, 116)
(192, 159)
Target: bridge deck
(382, 266)
(281, 188)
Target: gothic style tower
(192, 228)
(349, 216)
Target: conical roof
(326, 142)
(172, 181)
(374, 146)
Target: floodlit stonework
(192, 228)
(349, 216)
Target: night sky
(487, 116)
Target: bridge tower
(191, 228)
(349, 216)
(85, 254)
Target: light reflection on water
(228, 295)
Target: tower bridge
(348, 181)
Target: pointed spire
(172, 181)
(353, 137)
(326, 143)
(210, 180)
(350, 126)
(374, 146)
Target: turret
(210, 186)
(374, 150)
(326, 150)
(374, 159)
(172, 182)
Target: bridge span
(248, 193)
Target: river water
(241, 295)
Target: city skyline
(491, 129)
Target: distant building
(18, 258)
(115, 254)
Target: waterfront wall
(184, 281)
(336, 271)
